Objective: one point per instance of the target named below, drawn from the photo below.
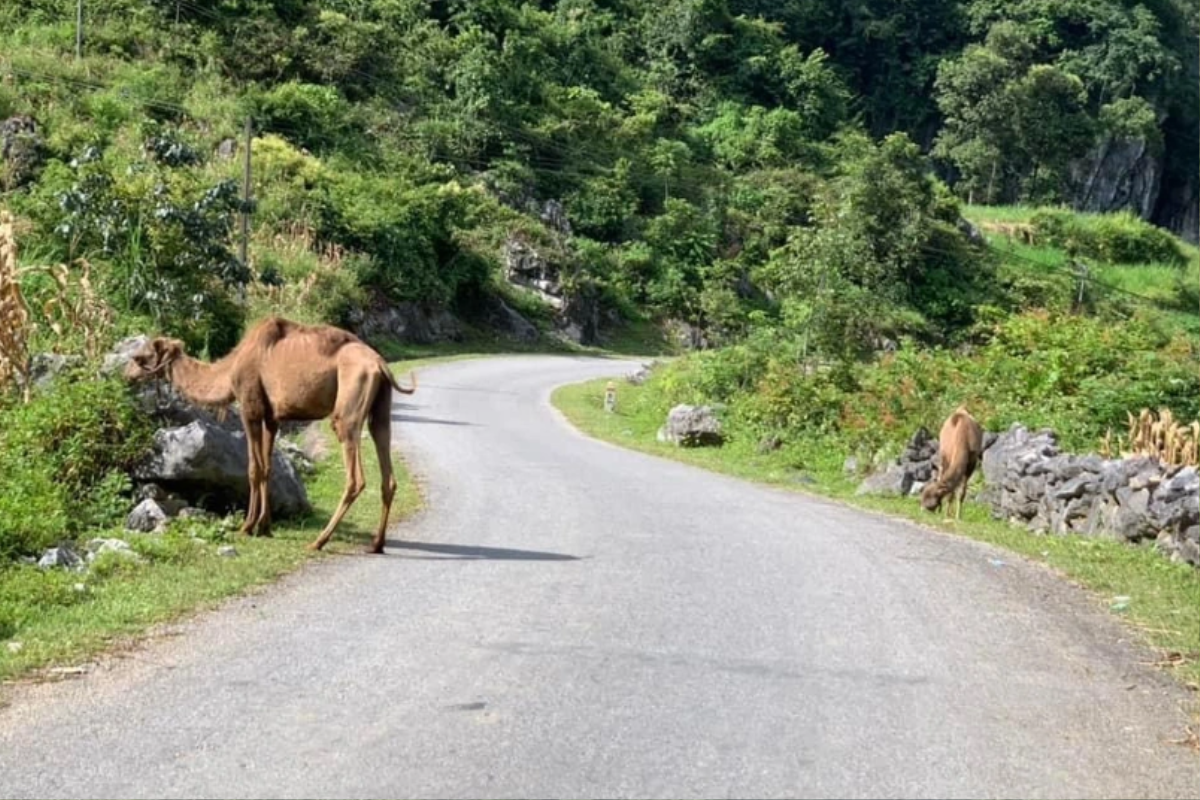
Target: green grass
(1164, 597)
(978, 214)
(1173, 291)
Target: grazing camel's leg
(962, 495)
(253, 465)
(352, 460)
(381, 432)
(269, 430)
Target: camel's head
(931, 496)
(152, 359)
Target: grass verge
(1164, 597)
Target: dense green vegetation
(718, 160)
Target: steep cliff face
(1127, 174)
(1117, 175)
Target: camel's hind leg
(352, 460)
(355, 390)
(381, 432)
(269, 430)
(962, 495)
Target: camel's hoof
(312, 546)
(374, 551)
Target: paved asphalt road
(568, 619)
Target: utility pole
(78, 29)
(1081, 270)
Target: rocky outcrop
(577, 312)
(208, 465)
(1127, 174)
(1179, 208)
(691, 426)
(1027, 481)
(686, 335)
(1118, 174)
(909, 473)
(528, 267)
(46, 368)
(502, 317)
(199, 458)
(416, 323)
(21, 151)
(641, 374)
(147, 516)
(61, 557)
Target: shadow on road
(427, 420)
(470, 552)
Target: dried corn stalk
(75, 305)
(1159, 436)
(15, 322)
(78, 307)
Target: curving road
(568, 619)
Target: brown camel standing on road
(960, 447)
(281, 371)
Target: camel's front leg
(253, 467)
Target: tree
(1050, 126)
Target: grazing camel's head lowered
(153, 359)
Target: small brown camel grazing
(960, 448)
(280, 371)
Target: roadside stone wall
(1027, 481)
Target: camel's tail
(396, 384)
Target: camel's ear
(166, 351)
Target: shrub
(410, 233)
(317, 116)
(1078, 375)
(1120, 238)
(67, 456)
(166, 238)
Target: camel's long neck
(953, 475)
(201, 383)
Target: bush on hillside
(1120, 238)
(1078, 375)
(67, 455)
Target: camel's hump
(327, 338)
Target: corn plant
(73, 305)
(1158, 436)
(16, 326)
